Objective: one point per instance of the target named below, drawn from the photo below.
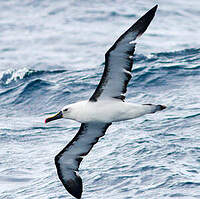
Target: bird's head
(64, 113)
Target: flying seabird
(106, 105)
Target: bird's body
(107, 111)
(106, 105)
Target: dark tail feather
(156, 108)
(160, 107)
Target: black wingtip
(155, 7)
(153, 10)
(142, 24)
(74, 186)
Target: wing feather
(119, 61)
(68, 160)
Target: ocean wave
(20, 86)
(185, 55)
(35, 88)
(181, 53)
(166, 61)
(10, 76)
(154, 68)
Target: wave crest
(9, 76)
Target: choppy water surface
(52, 54)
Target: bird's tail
(155, 108)
(160, 107)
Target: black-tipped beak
(54, 117)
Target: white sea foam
(13, 75)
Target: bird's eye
(65, 109)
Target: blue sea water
(52, 54)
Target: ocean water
(52, 54)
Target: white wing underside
(119, 61)
(69, 159)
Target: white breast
(106, 111)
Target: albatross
(106, 105)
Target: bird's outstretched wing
(119, 61)
(68, 160)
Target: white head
(73, 111)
